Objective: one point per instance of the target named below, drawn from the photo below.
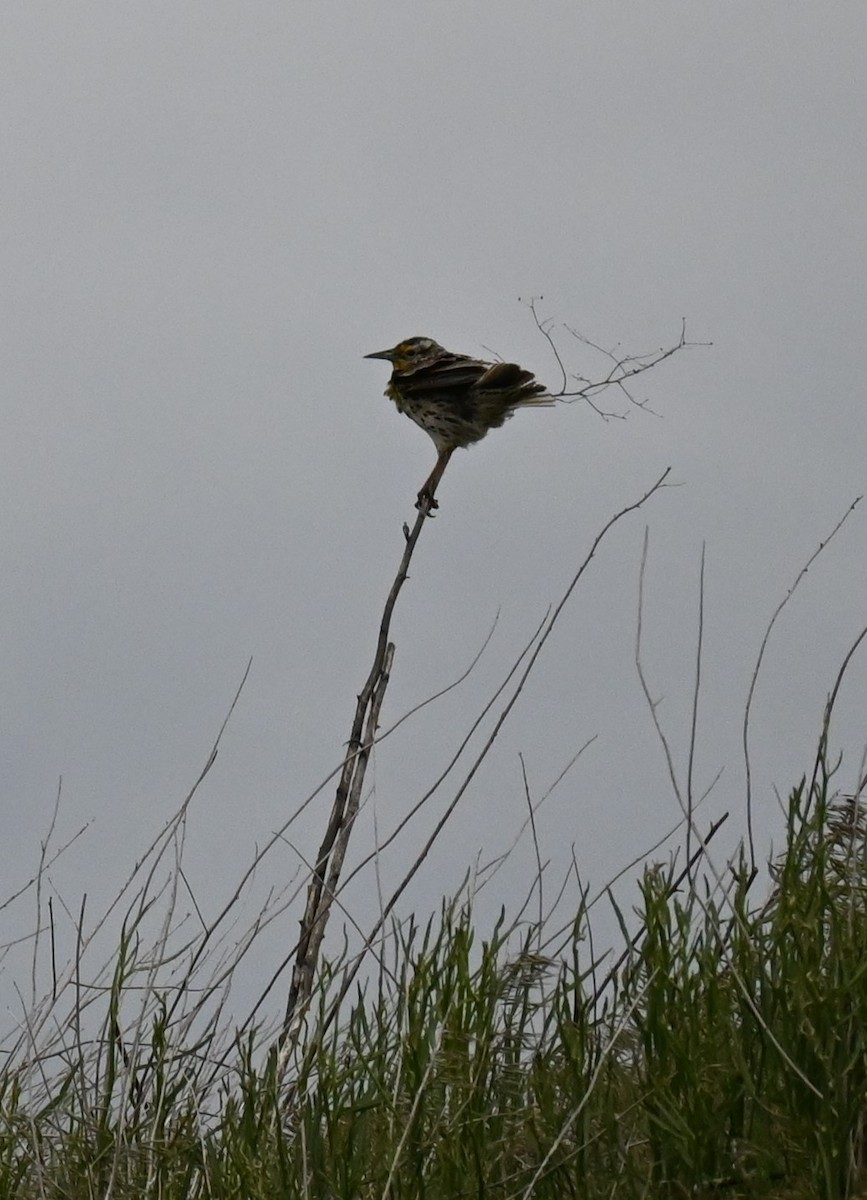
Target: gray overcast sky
(209, 212)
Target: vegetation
(725, 1054)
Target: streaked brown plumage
(454, 398)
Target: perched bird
(454, 398)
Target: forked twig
(624, 367)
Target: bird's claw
(426, 504)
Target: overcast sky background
(211, 211)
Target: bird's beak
(386, 354)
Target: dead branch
(329, 860)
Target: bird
(455, 398)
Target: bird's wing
(456, 372)
(504, 375)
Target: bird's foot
(426, 503)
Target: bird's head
(414, 352)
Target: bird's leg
(426, 498)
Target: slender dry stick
(532, 819)
(34, 879)
(696, 692)
(651, 703)
(351, 780)
(358, 777)
(755, 676)
(40, 875)
(328, 892)
(829, 707)
(490, 868)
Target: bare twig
(40, 875)
(829, 706)
(623, 368)
(651, 703)
(696, 692)
(490, 869)
(326, 871)
(544, 327)
(538, 882)
(755, 676)
(307, 965)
